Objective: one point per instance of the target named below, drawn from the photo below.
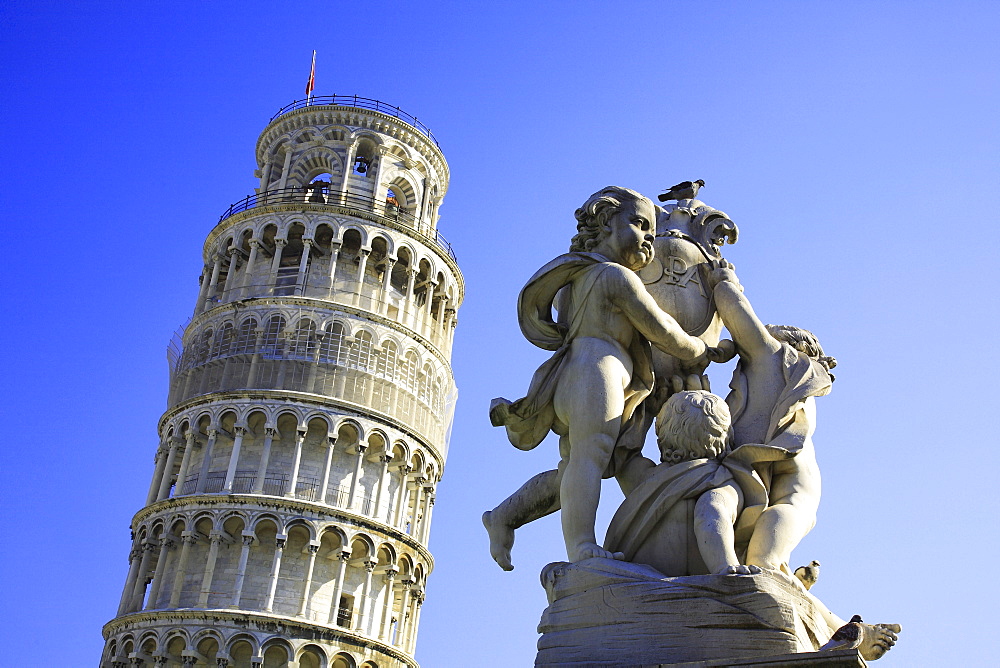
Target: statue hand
(725, 351)
(719, 271)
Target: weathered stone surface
(840, 659)
(614, 613)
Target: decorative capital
(189, 539)
(255, 243)
(270, 432)
(313, 549)
(361, 448)
(240, 430)
(390, 574)
(370, 565)
(248, 540)
(385, 459)
(280, 243)
(344, 556)
(279, 543)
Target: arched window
(386, 365)
(361, 352)
(271, 341)
(425, 384)
(408, 371)
(332, 349)
(304, 340)
(245, 338)
(224, 341)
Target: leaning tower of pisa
(309, 409)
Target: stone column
(234, 254)
(283, 182)
(203, 283)
(166, 544)
(362, 264)
(390, 262)
(365, 622)
(417, 607)
(206, 462)
(258, 333)
(352, 151)
(313, 549)
(187, 538)
(431, 288)
(248, 270)
(296, 462)
(331, 443)
(160, 463)
(440, 311)
(168, 470)
(334, 254)
(239, 432)
(401, 493)
(338, 589)
(377, 185)
(241, 569)
(410, 302)
(134, 558)
(206, 580)
(266, 177)
(279, 244)
(213, 283)
(356, 476)
(417, 489)
(189, 444)
(425, 525)
(279, 546)
(380, 491)
(300, 280)
(404, 605)
(258, 484)
(139, 587)
(390, 574)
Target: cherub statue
(781, 370)
(588, 391)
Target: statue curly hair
(693, 424)
(805, 342)
(592, 217)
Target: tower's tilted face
(309, 405)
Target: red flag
(311, 84)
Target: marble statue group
(633, 315)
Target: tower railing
(360, 103)
(384, 210)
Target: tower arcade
(309, 408)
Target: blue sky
(854, 143)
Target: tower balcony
(357, 103)
(383, 212)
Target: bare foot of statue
(592, 550)
(501, 540)
(740, 569)
(871, 640)
(877, 640)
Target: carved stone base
(612, 613)
(848, 658)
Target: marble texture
(614, 613)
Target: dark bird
(808, 575)
(848, 636)
(683, 190)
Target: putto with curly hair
(592, 218)
(805, 342)
(692, 424)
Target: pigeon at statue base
(808, 575)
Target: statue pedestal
(612, 613)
